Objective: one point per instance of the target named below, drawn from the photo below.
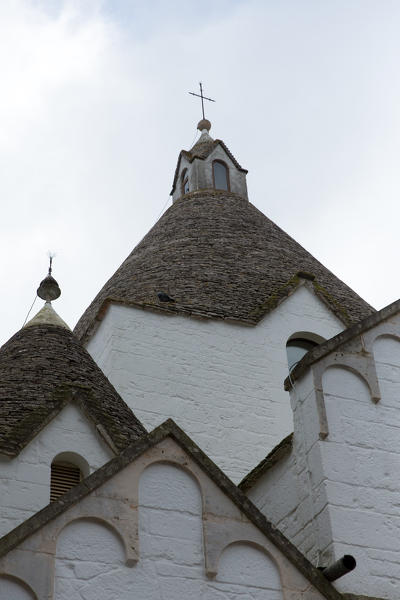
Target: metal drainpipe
(339, 568)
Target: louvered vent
(63, 477)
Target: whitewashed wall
(159, 529)
(350, 480)
(25, 479)
(12, 589)
(90, 558)
(283, 495)
(222, 383)
(363, 495)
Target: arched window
(184, 182)
(64, 476)
(220, 175)
(299, 344)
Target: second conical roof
(44, 366)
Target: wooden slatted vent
(64, 476)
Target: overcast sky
(94, 109)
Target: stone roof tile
(218, 256)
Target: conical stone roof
(42, 368)
(218, 256)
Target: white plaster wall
(25, 479)
(222, 383)
(159, 527)
(287, 493)
(90, 558)
(350, 480)
(12, 590)
(248, 572)
(361, 466)
(298, 492)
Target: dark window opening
(64, 476)
(184, 182)
(220, 176)
(296, 349)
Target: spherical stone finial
(204, 124)
(49, 289)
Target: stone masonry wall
(222, 383)
(25, 479)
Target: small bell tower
(209, 165)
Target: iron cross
(202, 98)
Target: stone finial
(204, 124)
(49, 289)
